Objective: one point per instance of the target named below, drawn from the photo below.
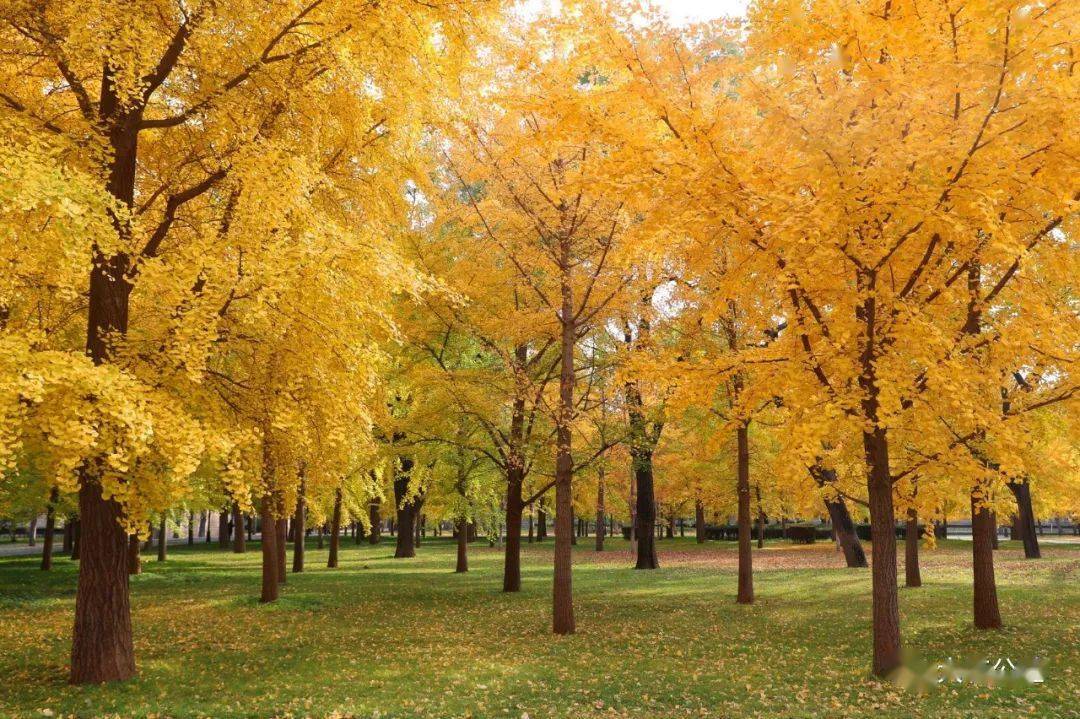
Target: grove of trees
(334, 264)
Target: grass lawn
(408, 638)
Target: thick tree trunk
(31, 532)
(269, 552)
(512, 550)
(298, 529)
(223, 529)
(1026, 519)
(463, 550)
(163, 541)
(335, 531)
(191, 529)
(102, 648)
(987, 614)
(50, 530)
(645, 514)
(134, 555)
(746, 560)
(912, 576)
(406, 512)
(886, 610)
(238, 537)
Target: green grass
(404, 638)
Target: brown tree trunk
(541, 521)
(987, 614)
(269, 552)
(191, 529)
(281, 528)
(298, 528)
(912, 576)
(844, 528)
(238, 538)
(223, 529)
(1025, 519)
(699, 521)
(102, 648)
(562, 584)
(645, 514)
(163, 541)
(994, 544)
(406, 513)
(512, 550)
(335, 531)
(463, 549)
(134, 555)
(50, 529)
(886, 610)
(600, 510)
(746, 559)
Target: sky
(691, 10)
(680, 11)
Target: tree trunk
(760, 518)
(645, 516)
(512, 550)
(699, 521)
(191, 529)
(335, 531)
(541, 521)
(1026, 518)
(573, 527)
(849, 542)
(50, 530)
(746, 560)
(206, 523)
(600, 511)
(530, 525)
(102, 648)
(912, 576)
(987, 614)
(886, 610)
(238, 537)
(406, 512)
(223, 529)
(134, 555)
(163, 541)
(281, 527)
(69, 526)
(562, 584)
(269, 552)
(298, 529)
(463, 550)
(994, 544)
